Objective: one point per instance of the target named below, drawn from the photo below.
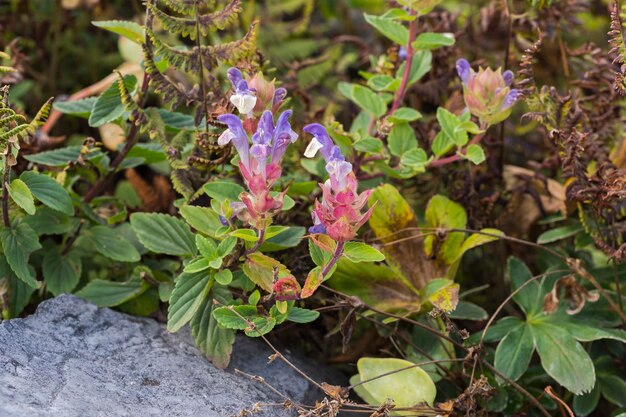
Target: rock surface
(72, 358)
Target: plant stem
(407, 68)
(259, 242)
(5, 191)
(334, 259)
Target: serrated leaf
(529, 298)
(104, 293)
(21, 195)
(563, 358)
(110, 243)
(475, 154)
(60, 157)
(224, 277)
(203, 219)
(109, 106)
(162, 233)
(20, 292)
(214, 341)
(187, 297)
(18, 242)
(48, 191)
(401, 139)
(50, 222)
(222, 190)
(405, 114)
(61, 272)
(364, 98)
(235, 317)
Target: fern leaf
(181, 183)
(189, 27)
(188, 7)
(12, 118)
(17, 131)
(189, 60)
(42, 115)
(171, 93)
(5, 69)
(616, 39)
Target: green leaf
(514, 352)
(416, 159)
(361, 252)
(20, 292)
(468, 311)
(586, 403)
(235, 317)
(478, 239)
(109, 105)
(222, 190)
(368, 144)
(130, 30)
(401, 139)
(61, 272)
(421, 65)
(50, 222)
(214, 341)
(441, 212)
(559, 233)
(383, 83)
(288, 239)
(22, 196)
(406, 387)
(226, 246)
(302, 315)
(48, 191)
(104, 293)
(364, 98)
(449, 136)
(207, 247)
(60, 157)
(197, 265)
(203, 219)
(18, 242)
(189, 293)
(391, 29)
(79, 108)
(529, 298)
(475, 154)
(613, 389)
(260, 326)
(248, 235)
(261, 270)
(430, 40)
(162, 233)
(563, 358)
(112, 244)
(405, 114)
(224, 277)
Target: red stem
(407, 68)
(454, 158)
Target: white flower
(314, 146)
(225, 137)
(244, 102)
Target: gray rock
(72, 358)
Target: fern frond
(188, 6)
(616, 39)
(189, 27)
(17, 131)
(12, 118)
(125, 95)
(4, 69)
(189, 60)
(171, 93)
(181, 183)
(41, 115)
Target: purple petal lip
(508, 77)
(320, 133)
(511, 98)
(279, 95)
(464, 70)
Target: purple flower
(402, 53)
(283, 136)
(487, 93)
(336, 164)
(243, 99)
(279, 96)
(236, 135)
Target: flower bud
(487, 93)
(264, 92)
